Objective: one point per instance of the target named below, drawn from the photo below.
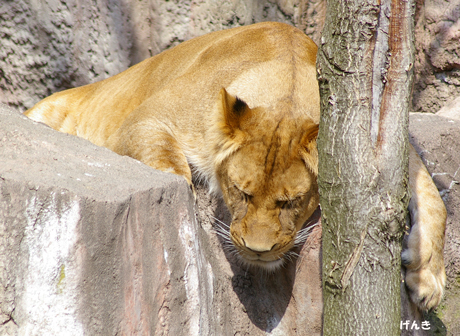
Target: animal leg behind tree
(423, 257)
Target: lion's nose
(258, 248)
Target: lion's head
(267, 177)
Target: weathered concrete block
(92, 243)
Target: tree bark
(365, 66)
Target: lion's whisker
(303, 234)
(220, 222)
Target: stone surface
(91, 242)
(451, 110)
(437, 62)
(437, 140)
(52, 45)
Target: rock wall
(52, 45)
(437, 63)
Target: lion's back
(252, 61)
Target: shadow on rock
(264, 295)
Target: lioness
(239, 109)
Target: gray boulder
(90, 241)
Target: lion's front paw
(425, 276)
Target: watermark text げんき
(415, 325)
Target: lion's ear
(226, 131)
(233, 110)
(308, 151)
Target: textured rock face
(51, 45)
(90, 240)
(437, 64)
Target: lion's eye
(288, 204)
(246, 197)
(283, 204)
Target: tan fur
(423, 258)
(179, 112)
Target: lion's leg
(423, 257)
(153, 146)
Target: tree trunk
(365, 74)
